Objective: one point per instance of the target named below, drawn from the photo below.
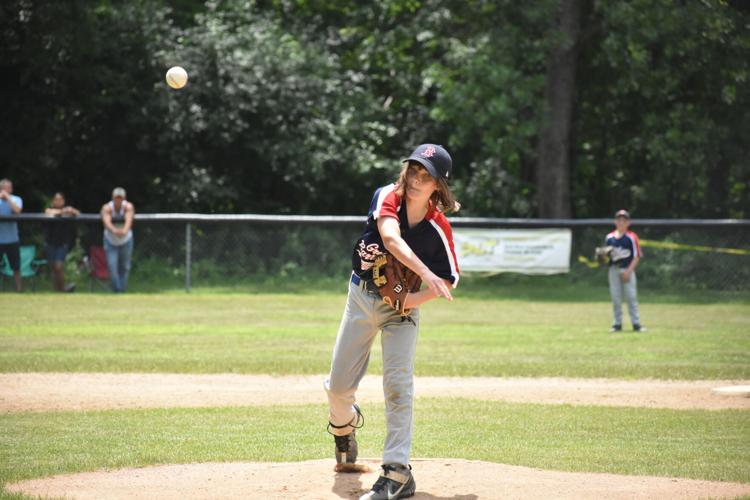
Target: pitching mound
(436, 479)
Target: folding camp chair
(96, 266)
(29, 265)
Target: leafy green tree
(270, 120)
(491, 95)
(76, 116)
(304, 105)
(663, 122)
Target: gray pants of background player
(616, 288)
(364, 316)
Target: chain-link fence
(706, 255)
(174, 251)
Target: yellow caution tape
(698, 248)
(593, 264)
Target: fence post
(188, 256)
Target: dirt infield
(436, 479)
(100, 391)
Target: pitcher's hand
(437, 285)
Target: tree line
(552, 108)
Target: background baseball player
(406, 222)
(625, 253)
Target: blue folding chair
(29, 265)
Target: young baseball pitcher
(624, 255)
(407, 241)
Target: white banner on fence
(527, 251)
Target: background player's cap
(622, 213)
(118, 191)
(434, 158)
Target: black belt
(366, 284)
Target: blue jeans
(56, 253)
(118, 263)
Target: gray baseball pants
(616, 288)
(365, 314)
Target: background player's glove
(394, 281)
(603, 254)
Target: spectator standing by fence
(10, 245)
(624, 258)
(117, 217)
(59, 240)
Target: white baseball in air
(176, 77)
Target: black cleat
(346, 446)
(640, 328)
(396, 481)
(615, 329)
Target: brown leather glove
(395, 281)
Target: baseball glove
(602, 254)
(395, 281)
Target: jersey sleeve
(385, 203)
(636, 244)
(444, 263)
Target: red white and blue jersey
(431, 240)
(625, 248)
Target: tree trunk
(553, 150)
(717, 191)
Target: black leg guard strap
(355, 423)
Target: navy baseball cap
(622, 213)
(434, 158)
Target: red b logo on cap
(429, 152)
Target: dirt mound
(436, 479)
(101, 391)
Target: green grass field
(480, 333)
(294, 333)
(696, 444)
